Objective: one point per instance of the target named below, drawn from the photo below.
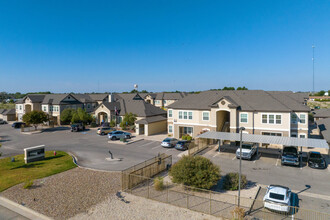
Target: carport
(254, 138)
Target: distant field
(312, 104)
(7, 105)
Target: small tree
(84, 116)
(231, 180)
(66, 115)
(35, 118)
(195, 171)
(129, 119)
(75, 118)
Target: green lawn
(7, 105)
(13, 173)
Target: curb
(22, 210)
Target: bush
(112, 123)
(196, 171)
(28, 184)
(238, 213)
(159, 183)
(93, 125)
(187, 137)
(230, 181)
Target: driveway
(90, 149)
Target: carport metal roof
(254, 138)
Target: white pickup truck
(248, 150)
(278, 198)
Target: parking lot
(311, 185)
(90, 149)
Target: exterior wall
(103, 109)
(156, 127)
(11, 117)
(169, 102)
(160, 104)
(149, 99)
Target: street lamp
(241, 129)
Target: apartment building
(260, 112)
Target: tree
(35, 118)
(144, 91)
(242, 88)
(195, 171)
(228, 88)
(75, 118)
(231, 180)
(134, 91)
(320, 93)
(66, 115)
(129, 119)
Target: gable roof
(36, 98)
(8, 111)
(322, 113)
(246, 100)
(324, 127)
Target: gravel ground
(126, 206)
(64, 195)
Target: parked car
(248, 150)
(182, 145)
(115, 135)
(316, 160)
(3, 122)
(77, 127)
(290, 156)
(18, 124)
(278, 198)
(169, 142)
(104, 130)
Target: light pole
(241, 129)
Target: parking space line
(234, 158)
(216, 154)
(155, 147)
(278, 159)
(146, 144)
(168, 150)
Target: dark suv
(316, 160)
(290, 156)
(18, 124)
(77, 127)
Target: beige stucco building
(260, 112)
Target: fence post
(210, 203)
(148, 182)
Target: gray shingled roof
(36, 98)
(149, 120)
(324, 126)
(2, 110)
(170, 95)
(56, 99)
(9, 112)
(98, 97)
(126, 104)
(247, 100)
(322, 113)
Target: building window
(45, 108)
(180, 114)
(185, 115)
(278, 119)
(164, 102)
(294, 135)
(190, 115)
(170, 113)
(188, 130)
(157, 102)
(271, 134)
(170, 129)
(302, 135)
(88, 105)
(302, 118)
(51, 108)
(264, 119)
(244, 117)
(206, 116)
(294, 118)
(20, 107)
(271, 119)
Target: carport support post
(300, 157)
(240, 165)
(219, 145)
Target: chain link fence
(210, 202)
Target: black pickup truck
(77, 127)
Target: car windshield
(290, 150)
(181, 142)
(315, 156)
(167, 140)
(245, 146)
(276, 196)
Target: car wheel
(127, 137)
(113, 138)
(102, 133)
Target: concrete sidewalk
(12, 210)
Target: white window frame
(304, 118)
(273, 114)
(186, 115)
(208, 116)
(44, 108)
(170, 113)
(272, 132)
(190, 115)
(192, 130)
(247, 117)
(157, 102)
(180, 114)
(170, 129)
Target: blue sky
(85, 46)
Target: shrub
(93, 125)
(196, 171)
(238, 213)
(112, 123)
(28, 184)
(187, 137)
(159, 183)
(230, 181)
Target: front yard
(13, 173)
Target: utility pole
(313, 70)
(241, 129)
